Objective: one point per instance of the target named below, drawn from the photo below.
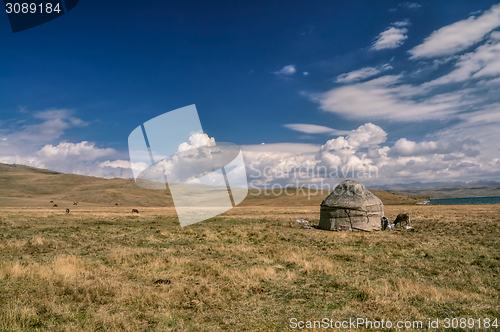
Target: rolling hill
(25, 186)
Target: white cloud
(361, 74)
(404, 147)
(62, 115)
(466, 148)
(481, 125)
(52, 114)
(305, 73)
(264, 161)
(458, 36)
(367, 135)
(385, 97)
(117, 168)
(116, 164)
(77, 158)
(287, 70)
(36, 145)
(196, 140)
(314, 129)
(403, 23)
(279, 163)
(483, 62)
(343, 151)
(490, 114)
(455, 155)
(391, 38)
(78, 122)
(54, 123)
(411, 5)
(189, 163)
(83, 151)
(288, 148)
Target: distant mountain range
(401, 186)
(445, 189)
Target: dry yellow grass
(251, 269)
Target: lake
(466, 200)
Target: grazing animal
(55, 205)
(163, 281)
(135, 210)
(67, 210)
(402, 218)
(116, 203)
(75, 203)
(52, 201)
(385, 223)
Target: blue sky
(408, 87)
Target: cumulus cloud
(196, 140)
(366, 135)
(187, 163)
(84, 151)
(77, 158)
(35, 143)
(458, 36)
(273, 154)
(344, 151)
(393, 37)
(285, 163)
(361, 74)
(286, 70)
(404, 147)
(453, 155)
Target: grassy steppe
(251, 269)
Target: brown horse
(402, 218)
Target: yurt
(351, 207)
